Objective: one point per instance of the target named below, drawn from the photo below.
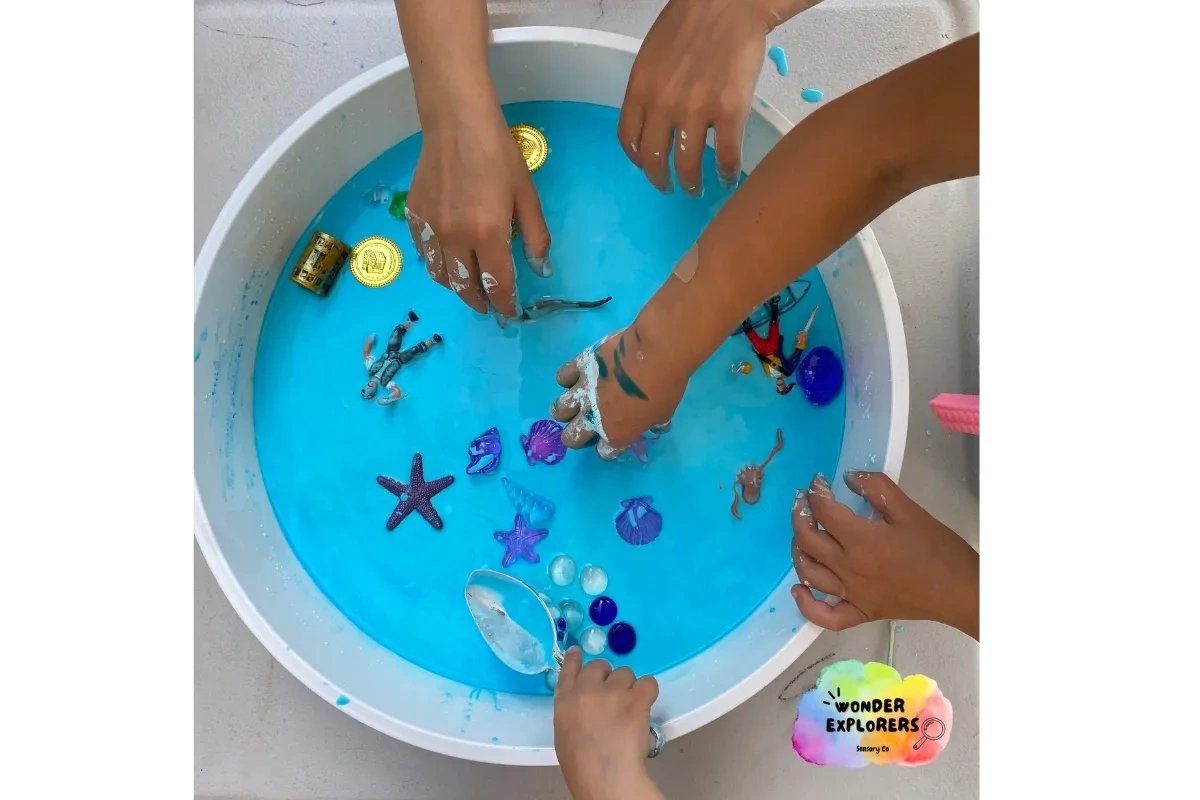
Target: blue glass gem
(622, 638)
(821, 375)
(562, 636)
(562, 625)
(603, 610)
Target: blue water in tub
(321, 446)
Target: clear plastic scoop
(516, 623)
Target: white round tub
(236, 271)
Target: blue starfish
(416, 495)
(519, 542)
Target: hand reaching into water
(697, 70)
(906, 565)
(601, 724)
(469, 183)
(617, 389)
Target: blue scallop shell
(638, 523)
(533, 507)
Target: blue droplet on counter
(197, 358)
(812, 95)
(495, 739)
(771, 610)
(777, 55)
(342, 700)
(204, 335)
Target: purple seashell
(638, 523)
(484, 452)
(544, 443)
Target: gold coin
(533, 144)
(375, 261)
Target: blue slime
(320, 446)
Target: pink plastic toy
(957, 412)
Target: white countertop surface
(260, 734)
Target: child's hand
(905, 566)
(617, 389)
(601, 730)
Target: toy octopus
(750, 478)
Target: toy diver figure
(383, 371)
(769, 348)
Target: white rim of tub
(398, 729)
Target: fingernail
(806, 583)
(821, 485)
(540, 263)
(800, 504)
(606, 451)
(796, 592)
(853, 479)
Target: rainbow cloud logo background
(860, 714)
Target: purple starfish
(416, 495)
(519, 542)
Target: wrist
(624, 784)
(455, 96)
(964, 614)
(672, 333)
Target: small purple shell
(544, 443)
(638, 523)
(484, 452)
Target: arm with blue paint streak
(826, 180)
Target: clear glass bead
(562, 570)
(593, 580)
(572, 614)
(593, 641)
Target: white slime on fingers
(589, 378)
(462, 268)
(489, 282)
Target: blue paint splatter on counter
(764, 103)
(793, 630)
(324, 44)
(342, 700)
(362, 65)
(812, 95)
(333, 22)
(197, 358)
(204, 335)
(771, 610)
(837, 271)
(495, 740)
(777, 55)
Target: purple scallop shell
(484, 452)
(544, 443)
(638, 523)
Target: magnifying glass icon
(931, 729)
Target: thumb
(883, 494)
(535, 236)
